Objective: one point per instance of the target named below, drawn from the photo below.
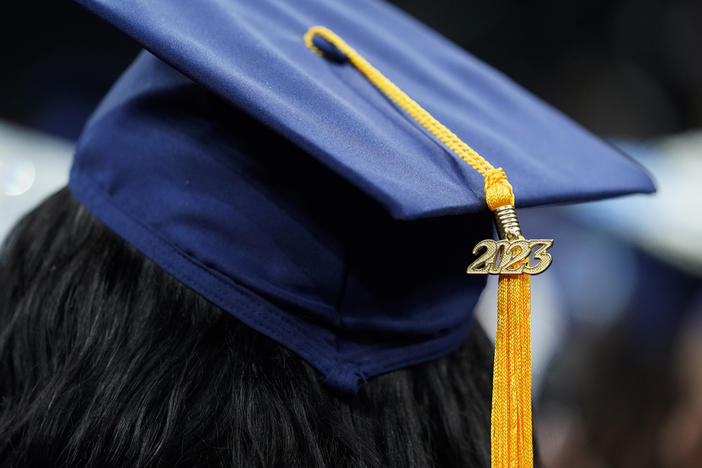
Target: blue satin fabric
(251, 222)
(251, 53)
(284, 188)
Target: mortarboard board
(285, 188)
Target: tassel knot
(498, 190)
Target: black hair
(106, 360)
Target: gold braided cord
(399, 97)
(511, 431)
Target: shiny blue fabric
(285, 189)
(254, 224)
(251, 53)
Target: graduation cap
(325, 185)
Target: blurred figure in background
(624, 392)
(681, 438)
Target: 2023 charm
(511, 254)
(504, 257)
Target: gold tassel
(511, 431)
(511, 437)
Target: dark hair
(106, 360)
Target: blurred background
(617, 321)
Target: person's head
(106, 360)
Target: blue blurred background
(617, 321)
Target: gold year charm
(511, 254)
(505, 257)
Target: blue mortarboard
(283, 187)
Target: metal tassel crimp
(507, 223)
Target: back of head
(106, 360)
